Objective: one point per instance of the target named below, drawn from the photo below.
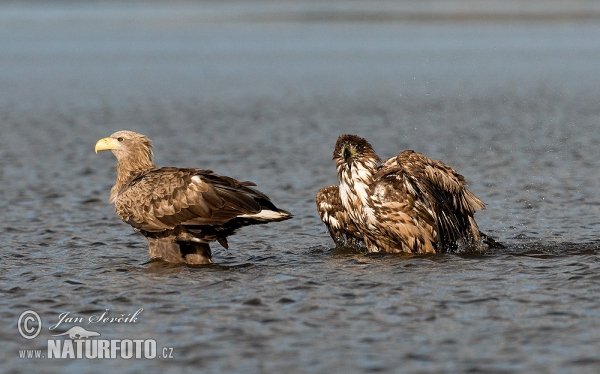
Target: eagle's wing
(403, 220)
(436, 189)
(339, 225)
(163, 198)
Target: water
(513, 106)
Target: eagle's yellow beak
(105, 144)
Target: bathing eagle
(180, 210)
(408, 203)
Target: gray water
(512, 105)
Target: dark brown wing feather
(436, 189)
(163, 198)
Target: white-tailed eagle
(180, 210)
(408, 203)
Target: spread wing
(435, 193)
(163, 198)
(341, 228)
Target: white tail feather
(266, 215)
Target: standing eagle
(180, 211)
(408, 203)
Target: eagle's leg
(168, 250)
(164, 249)
(195, 252)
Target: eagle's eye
(120, 139)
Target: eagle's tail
(268, 215)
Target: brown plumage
(408, 203)
(339, 225)
(180, 210)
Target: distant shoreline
(330, 11)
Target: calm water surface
(512, 106)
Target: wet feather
(408, 203)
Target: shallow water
(512, 106)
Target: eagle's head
(128, 147)
(352, 151)
(134, 156)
